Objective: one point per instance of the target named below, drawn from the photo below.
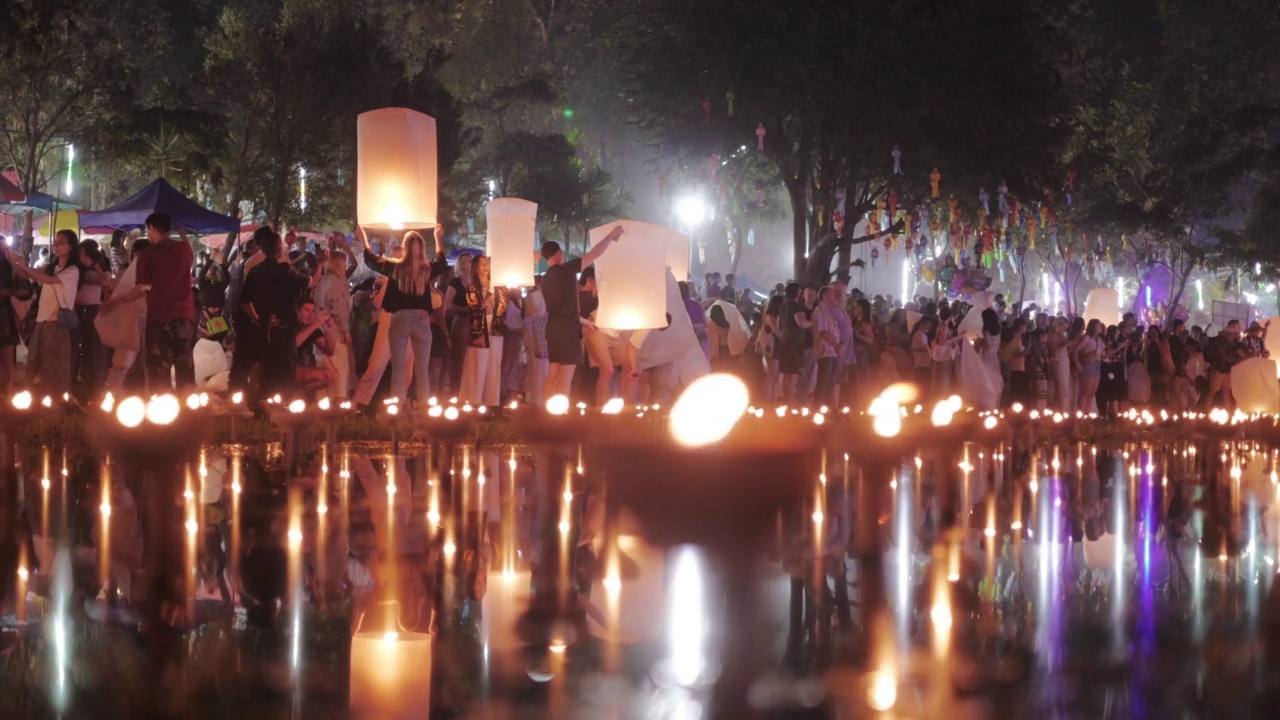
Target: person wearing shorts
(564, 326)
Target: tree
(69, 66)
(838, 85)
(293, 76)
(1169, 170)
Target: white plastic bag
(977, 384)
(1139, 383)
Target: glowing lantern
(1102, 304)
(510, 241)
(396, 169)
(971, 325)
(1254, 385)
(505, 599)
(1273, 340)
(390, 675)
(677, 252)
(640, 591)
(631, 277)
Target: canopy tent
(66, 220)
(159, 196)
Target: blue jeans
(411, 326)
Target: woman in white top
(333, 295)
(49, 355)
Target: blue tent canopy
(159, 196)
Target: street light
(691, 210)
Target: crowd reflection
(1069, 578)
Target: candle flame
(882, 692)
(24, 574)
(558, 405)
(613, 407)
(451, 413)
(237, 397)
(161, 410)
(942, 414)
(708, 410)
(324, 403)
(22, 401)
(193, 402)
(297, 406)
(940, 613)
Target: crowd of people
(829, 345)
(301, 318)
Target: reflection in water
(1067, 579)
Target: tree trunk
(799, 228)
(845, 255)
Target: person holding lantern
(408, 299)
(564, 326)
(482, 365)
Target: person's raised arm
(19, 264)
(305, 332)
(599, 248)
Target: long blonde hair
(413, 272)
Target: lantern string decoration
(396, 174)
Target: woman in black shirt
(408, 299)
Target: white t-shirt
(59, 297)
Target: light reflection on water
(1032, 570)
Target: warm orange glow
(131, 412)
(708, 410)
(161, 410)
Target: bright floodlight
(691, 210)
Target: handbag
(67, 319)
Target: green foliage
(838, 85)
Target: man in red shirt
(164, 277)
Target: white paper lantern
(506, 597)
(396, 169)
(1273, 339)
(971, 325)
(1255, 387)
(1102, 304)
(390, 675)
(631, 276)
(678, 253)
(510, 241)
(642, 594)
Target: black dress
(8, 316)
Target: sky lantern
(631, 276)
(396, 169)
(1255, 386)
(510, 241)
(390, 675)
(1103, 304)
(677, 252)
